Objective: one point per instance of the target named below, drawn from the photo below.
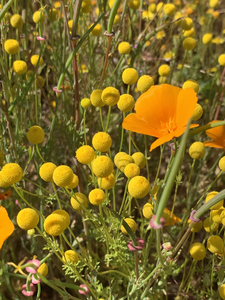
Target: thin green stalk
(108, 117)
(38, 151)
(189, 181)
(56, 194)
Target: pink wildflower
(85, 289)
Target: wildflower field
(112, 141)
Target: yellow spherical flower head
(85, 154)
(131, 223)
(62, 176)
(27, 219)
(197, 251)
(191, 84)
(31, 231)
(97, 31)
(102, 141)
(130, 76)
(79, 201)
(16, 21)
(117, 19)
(222, 164)
(11, 46)
(7, 17)
(117, 158)
(11, 173)
(63, 216)
(102, 166)
(38, 15)
(125, 160)
(215, 244)
(96, 98)
(207, 38)
(144, 83)
(46, 171)
(197, 113)
(164, 70)
(126, 103)
(2, 157)
(189, 43)
(19, 67)
(43, 269)
(34, 60)
(138, 187)
(147, 211)
(96, 197)
(70, 25)
(74, 183)
(221, 60)
(3, 184)
(85, 103)
(187, 24)
(217, 205)
(110, 96)
(56, 223)
(108, 182)
(222, 291)
(53, 14)
(213, 3)
(159, 6)
(70, 256)
(40, 81)
(210, 226)
(131, 170)
(217, 215)
(86, 6)
(190, 33)
(169, 9)
(134, 4)
(139, 159)
(35, 135)
(196, 227)
(162, 79)
(124, 48)
(197, 150)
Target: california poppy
(217, 135)
(163, 112)
(169, 221)
(6, 225)
(5, 195)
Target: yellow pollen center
(168, 127)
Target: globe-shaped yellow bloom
(138, 187)
(46, 171)
(62, 176)
(27, 218)
(35, 135)
(131, 223)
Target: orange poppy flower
(5, 195)
(6, 225)
(163, 112)
(217, 135)
(169, 221)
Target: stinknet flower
(163, 111)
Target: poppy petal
(186, 104)
(162, 140)
(212, 144)
(6, 226)
(134, 123)
(158, 105)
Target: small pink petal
(41, 38)
(35, 279)
(85, 288)
(28, 293)
(140, 245)
(33, 269)
(154, 225)
(57, 91)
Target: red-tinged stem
(76, 111)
